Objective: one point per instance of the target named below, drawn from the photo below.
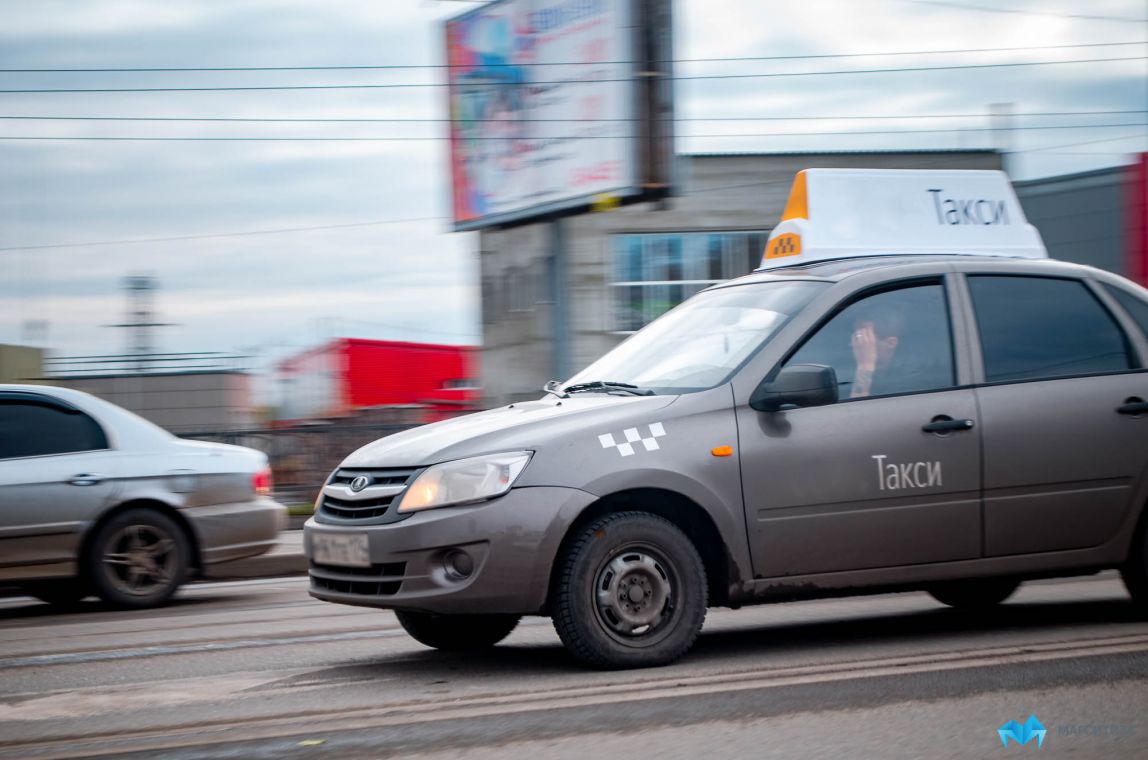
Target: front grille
(355, 510)
(374, 508)
(377, 580)
(344, 477)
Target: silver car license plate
(346, 549)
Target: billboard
(547, 111)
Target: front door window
(891, 342)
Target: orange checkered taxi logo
(788, 244)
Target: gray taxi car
(96, 500)
(941, 421)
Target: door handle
(86, 479)
(1135, 406)
(945, 424)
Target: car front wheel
(138, 559)
(978, 593)
(457, 633)
(630, 592)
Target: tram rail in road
(359, 683)
(673, 687)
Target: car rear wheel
(138, 559)
(457, 633)
(62, 593)
(630, 592)
(978, 593)
(1134, 572)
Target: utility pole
(140, 318)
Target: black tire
(457, 633)
(974, 593)
(1134, 572)
(63, 592)
(138, 559)
(600, 617)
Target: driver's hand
(865, 348)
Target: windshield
(700, 344)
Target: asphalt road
(256, 669)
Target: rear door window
(1034, 328)
(1136, 307)
(29, 429)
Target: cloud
(414, 280)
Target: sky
(243, 277)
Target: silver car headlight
(464, 480)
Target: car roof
(128, 428)
(836, 270)
(64, 394)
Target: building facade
(1091, 217)
(180, 402)
(20, 364)
(546, 316)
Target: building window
(491, 300)
(521, 289)
(652, 273)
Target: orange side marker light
(722, 451)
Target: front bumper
(228, 532)
(512, 541)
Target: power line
(392, 326)
(787, 181)
(418, 66)
(710, 77)
(286, 230)
(276, 231)
(1076, 144)
(548, 138)
(1024, 12)
(440, 120)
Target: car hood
(525, 425)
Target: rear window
(31, 429)
(1033, 328)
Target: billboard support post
(559, 301)
(654, 47)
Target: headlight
(464, 480)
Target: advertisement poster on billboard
(541, 105)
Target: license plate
(346, 549)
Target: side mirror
(797, 385)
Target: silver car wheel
(634, 593)
(141, 559)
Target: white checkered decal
(633, 437)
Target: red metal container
(349, 374)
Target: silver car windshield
(702, 342)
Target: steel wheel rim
(141, 560)
(635, 595)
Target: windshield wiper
(608, 386)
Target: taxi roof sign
(843, 213)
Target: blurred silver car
(96, 500)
